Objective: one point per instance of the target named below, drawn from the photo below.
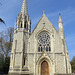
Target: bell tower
(23, 21)
(22, 31)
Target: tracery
(44, 42)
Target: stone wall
(32, 74)
(63, 74)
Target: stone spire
(61, 30)
(24, 7)
(23, 21)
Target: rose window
(44, 42)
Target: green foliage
(1, 65)
(73, 64)
(4, 65)
(6, 39)
(73, 59)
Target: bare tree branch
(6, 39)
(2, 21)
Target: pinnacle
(60, 19)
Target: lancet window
(44, 42)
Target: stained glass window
(44, 42)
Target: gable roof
(40, 20)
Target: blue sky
(11, 8)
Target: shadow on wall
(30, 74)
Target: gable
(44, 23)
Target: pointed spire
(61, 30)
(24, 7)
(60, 19)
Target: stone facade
(30, 50)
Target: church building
(40, 52)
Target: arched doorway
(44, 68)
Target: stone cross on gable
(43, 12)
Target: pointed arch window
(21, 24)
(24, 24)
(44, 42)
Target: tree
(73, 59)
(1, 65)
(6, 65)
(2, 21)
(73, 64)
(6, 39)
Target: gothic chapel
(40, 52)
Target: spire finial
(60, 19)
(43, 11)
(59, 14)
